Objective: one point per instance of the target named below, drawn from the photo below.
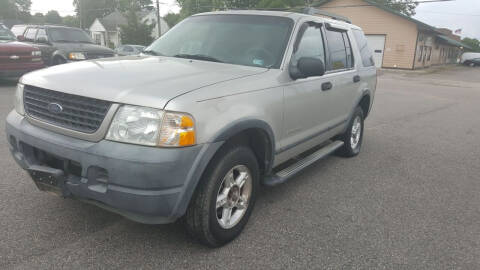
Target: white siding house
(106, 31)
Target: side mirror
(307, 67)
(42, 40)
(20, 38)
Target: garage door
(377, 44)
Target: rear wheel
(353, 137)
(225, 197)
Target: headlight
(36, 53)
(76, 56)
(19, 100)
(151, 127)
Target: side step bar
(285, 174)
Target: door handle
(326, 86)
(356, 78)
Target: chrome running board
(285, 174)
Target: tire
(204, 220)
(352, 144)
(59, 61)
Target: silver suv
(222, 103)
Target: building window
(98, 38)
(429, 53)
(420, 55)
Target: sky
(457, 14)
(65, 7)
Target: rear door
(341, 74)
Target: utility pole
(159, 24)
(80, 13)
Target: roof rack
(314, 11)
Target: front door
(306, 104)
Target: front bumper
(17, 70)
(145, 184)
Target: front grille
(74, 112)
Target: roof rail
(314, 11)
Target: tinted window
(236, 39)
(42, 33)
(30, 34)
(127, 49)
(348, 48)
(69, 35)
(365, 52)
(337, 50)
(6, 34)
(311, 44)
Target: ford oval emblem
(55, 108)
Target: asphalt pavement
(410, 200)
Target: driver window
(311, 43)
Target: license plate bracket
(48, 179)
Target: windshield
(6, 34)
(69, 35)
(248, 40)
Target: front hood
(138, 80)
(15, 46)
(81, 47)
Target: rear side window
(365, 52)
(339, 49)
(30, 34)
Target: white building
(106, 31)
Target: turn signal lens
(177, 130)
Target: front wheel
(59, 61)
(353, 137)
(225, 197)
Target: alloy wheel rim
(356, 132)
(233, 196)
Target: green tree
(71, 21)
(89, 10)
(15, 9)
(136, 32)
(53, 17)
(406, 7)
(472, 43)
(172, 19)
(37, 18)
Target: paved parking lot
(411, 200)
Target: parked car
(224, 102)
(124, 50)
(471, 59)
(60, 44)
(17, 58)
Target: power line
(447, 13)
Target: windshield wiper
(65, 41)
(83, 41)
(198, 57)
(151, 52)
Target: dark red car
(17, 58)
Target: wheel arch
(236, 132)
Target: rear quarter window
(365, 52)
